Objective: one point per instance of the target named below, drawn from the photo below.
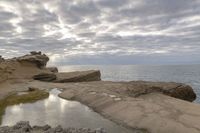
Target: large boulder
(79, 76)
(177, 90)
(45, 77)
(23, 67)
(35, 58)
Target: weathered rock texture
(25, 127)
(45, 77)
(177, 90)
(83, 76)
(146, 108)
(138, 88)
(35, 58)
(23, 67)
(156, 106)
(33, 66)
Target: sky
(102, 31)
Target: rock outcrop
(176, 90)
(148, 109)
(25, 127)
(33, 66)
(35, 58)
(83, 76)
(48, 77)
(24, 67)
(136, 89)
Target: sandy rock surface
(156, 107)
(154, 111)
(23, 67)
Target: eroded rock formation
(33, 66)
(23, 67)
(177, 90)
(48, 77)
(79, 76)
(35, 58)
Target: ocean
(188, 74)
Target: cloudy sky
(102, 31)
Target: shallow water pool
(57, 111)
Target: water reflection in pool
(56, 111)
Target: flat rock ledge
(25, 127)
(79, 76)
(33, 66)
(172, 89)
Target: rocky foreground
(24, 127)
(154, 107)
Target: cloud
(81, 32)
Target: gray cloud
(110, 31)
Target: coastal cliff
(155, 107)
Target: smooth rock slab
(144, 105)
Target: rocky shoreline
(154, 107)
(25, 127)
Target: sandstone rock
(33, 65)
(143, 105)
(177, 90)
(35, 58)
(23, 67)
(45, 77)
(78, 76)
